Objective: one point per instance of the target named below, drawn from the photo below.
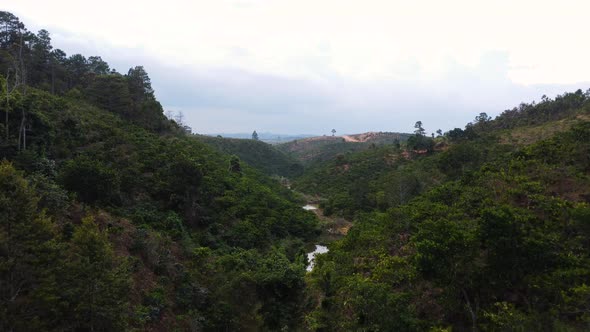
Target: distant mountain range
(272, 138)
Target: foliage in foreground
(504, 247)
(112, 218)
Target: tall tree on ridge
(419, 129)
(140, 85)
(77, 67)
(98, 66)
(40, 58)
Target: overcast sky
(307, 66)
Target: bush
(91, 180)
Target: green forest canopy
(114, 218)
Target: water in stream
(319, 249)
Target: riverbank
(333, 228)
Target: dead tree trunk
(21, 130)
(472, 311)
(7, 103)
(52, 76)
(24, 87)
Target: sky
(307, 66)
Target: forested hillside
(257, 154)
(483, 233)
(114, 219)
(387, 176)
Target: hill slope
(257, 154)
(113, 219)
(384, 177)
(322, 148)
(498, 241)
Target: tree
(14, 51)
(179, 118)
(140, 85)
(445, 252)
(111, 93)
(403, 187)
(77, 66)
(97, 66)
(21, 74)
(333, 132)
(420, 142)
(41, 59)
(27, 256)
(457, 134)
(9, 27)
(255, 135)
(183, 179)
(234, 165)
(482, 118)
(419, 130)
(97, 281)
(58, 62)
(6, 102)
(439, 132)
(92, 180)
(187, 129)
(12, 100)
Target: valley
(116, 217)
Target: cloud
(368, 40)
(218, 100)
(308, 66)
(236, 88)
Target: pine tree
(28, 257)
(98, 282)
(419, 129)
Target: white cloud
(361, 39)
(351, 56)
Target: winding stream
(319, 249)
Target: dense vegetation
(257, 154)
(391, 175)
(497, 240)
(377, 178)
(114, 219)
